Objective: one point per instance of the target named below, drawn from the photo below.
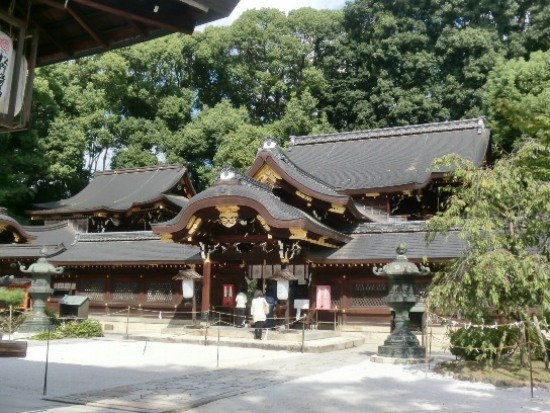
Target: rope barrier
(457, 323)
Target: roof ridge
(116, 236)
(288, 161)
(387, 132)
(389, 227)
(236, 176)
(46, 228)
(140, 169)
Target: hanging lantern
(283, 276)
(7, 63)
(282, 289)
(187, 277)
(6, 52)
(188, 287)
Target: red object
(228, 297)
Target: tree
(197, 143)
(386, 70)
(301, 118)
(238, 148)
(517, 100)
(503, 215)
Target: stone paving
(182, 393)
(156, 375)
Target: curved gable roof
(7, 223)
(294, 175)
(120, 190)
(378, 159)
(244, 191)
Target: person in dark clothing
(272, 301)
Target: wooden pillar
(206, 272)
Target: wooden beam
(80, 20)
(87, 27)
(162, 17)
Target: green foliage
(7, 326)
(483, 344)
(301, 118)
(45, 335)
(81, 329)
(371, 64)
(503, 216)
(492, 343)
(11, 297)
(517, 100)
(537, 350)
(239, 148)
(73, 329)
(52, 315)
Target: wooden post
(127, 322)
(303, 332)
(206, 273)
(11, 321)
(218, 349)
(194, 307)
(530, 359)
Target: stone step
(247, 333)
(11, 348)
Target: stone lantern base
(405, 352)
(34, 324)
(37, 321)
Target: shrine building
(306, 223)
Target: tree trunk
(541, 341)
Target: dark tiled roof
(29, 251)
(52, 234)
(128, 248)
(380, 245)
(299, 175)
(385, 158)
(55, 238)
(118, 190)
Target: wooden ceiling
(69, 29)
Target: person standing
(240, 308)
(258, 313)
(271, 298)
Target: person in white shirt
(240, 308)
(258, 313)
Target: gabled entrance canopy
(240, 215)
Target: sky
(284, 5)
